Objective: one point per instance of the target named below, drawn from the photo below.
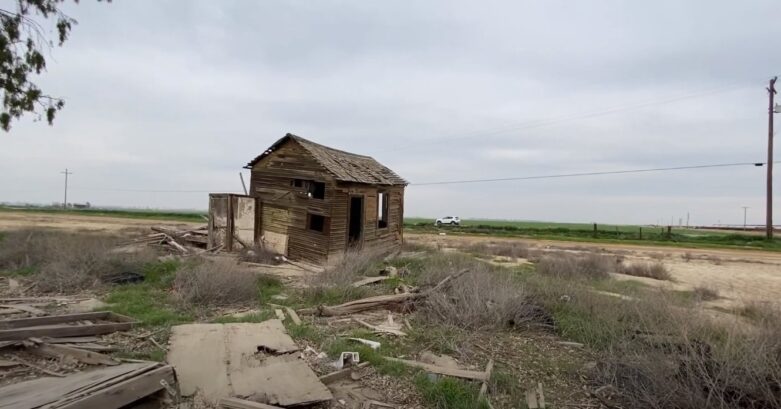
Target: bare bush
(592, 266)
(215, 284)
(347, 269)
(706, 293)
(481, 299)
(63, 262)
(503, 249)
(696, 366)
(333, 285)
(655, 270)
(259, 254)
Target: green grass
(149, 301)
(183, 216)
(605, 233)
(449, 393)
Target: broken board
(255, 361)
(110, 387)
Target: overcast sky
(180, 95)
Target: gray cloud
(179, 95)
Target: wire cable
(610, 172)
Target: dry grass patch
(483, 298)
(706, 293)
(588, 266)
(655, 270)
(502, 249)
(259, 254)
(333, 285)
(217, 283)
(66, 262)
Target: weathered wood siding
(284, 208)
(384, 239)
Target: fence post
(669, 232)
(641, 233)
(595, 230)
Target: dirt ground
(19, 220)
(740, 276)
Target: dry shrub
(655, 270)
(485, 297)
(333, 285)
(348, 268)
(706, 293)
(593, 266)
(697, 364)
(259, 254)
(217, 283)
(66, 262)
(503, 249)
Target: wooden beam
(63, 331)
(459, 373)
(488, 370)
(87, 357)
(236, 403)
(293, 316)
(128, 391)
(53, 319)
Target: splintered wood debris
(184, 242)
(65, 348)
(253, 361)
(108, 387)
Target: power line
(611, 172)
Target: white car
(451, 220)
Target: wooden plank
(64, 331)
(380, 329)
(340, 374)
(87, 357)
(489, 368)
(54, 319)
(541, 399)
(25, 308)
(293, 316)
(127, 392)
(369, 280)
(531, 399)
(70, 340)
(459, 373)
(236, 403)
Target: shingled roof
(344, 166)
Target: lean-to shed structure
(313, 202)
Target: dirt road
(23, 220)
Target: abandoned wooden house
(313, 203)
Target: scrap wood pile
(185, 242)
(403, 301)
(58, 361)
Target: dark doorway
(356, 221)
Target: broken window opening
(316, 222)
(382, 209)
(312, 189)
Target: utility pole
(65, 200)
(744, 216)
(771, 92)
(687, 220)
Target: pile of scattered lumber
(75, 366)
(192, 241)
(398, 302)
